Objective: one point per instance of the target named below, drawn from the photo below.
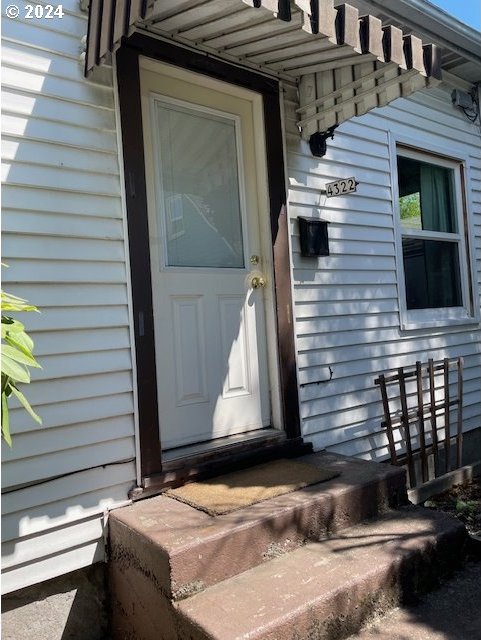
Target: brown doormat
(240, 489)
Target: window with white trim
(434, 282)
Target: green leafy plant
(410, 206)
(467, 508)
(17, 357)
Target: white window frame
(468, 313)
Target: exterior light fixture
(318, 141)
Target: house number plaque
(341, 187)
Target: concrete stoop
(310, 565)
(451, 612)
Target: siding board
(329, 403)
(349, 322)
(33, 175)
(66, 319)
(360, 374)
(84, 410)
(339, 263)
(68, 389)
(342, 210)
(306, 311)
(379, 340)
(35, 37)
(49, 440)
(43, 130)
(62, 512)
(385, 353)
(54, 464)
(62, 489)
(37, 61)
(346, 293)
(60, 88)
(64, 366)
(50, 155)
(64, 242)
(338, 417)
(63, 271)
(80, 341)
(49, 543)
(78, 249)
(71, 24)
(340, 247)
(41, 200)
(58, 225)
(45, 568)
(90, 295)
(28, 103)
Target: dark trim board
(136, 198)
(136, 202)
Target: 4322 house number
(341, 187)
(47, 11)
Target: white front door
(204, 195)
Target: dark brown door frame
(128, 77)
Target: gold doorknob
(258, 281)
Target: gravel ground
(462, 501)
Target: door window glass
(197, 161)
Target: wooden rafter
(345, 63)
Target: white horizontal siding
(41, 200)
(83, 410)
(346, 305)
(63, 271)
(33, 175)
(64, 242)
(82, 546)
(50, 155)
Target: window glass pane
(200, 199)
(432, 275)
(410, 210)
(426, 196)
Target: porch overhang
(344, 64)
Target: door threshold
(219, 446)
(219, 457)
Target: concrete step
(186, 550)
(452, 612)
(326, 590)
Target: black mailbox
(314, 238)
